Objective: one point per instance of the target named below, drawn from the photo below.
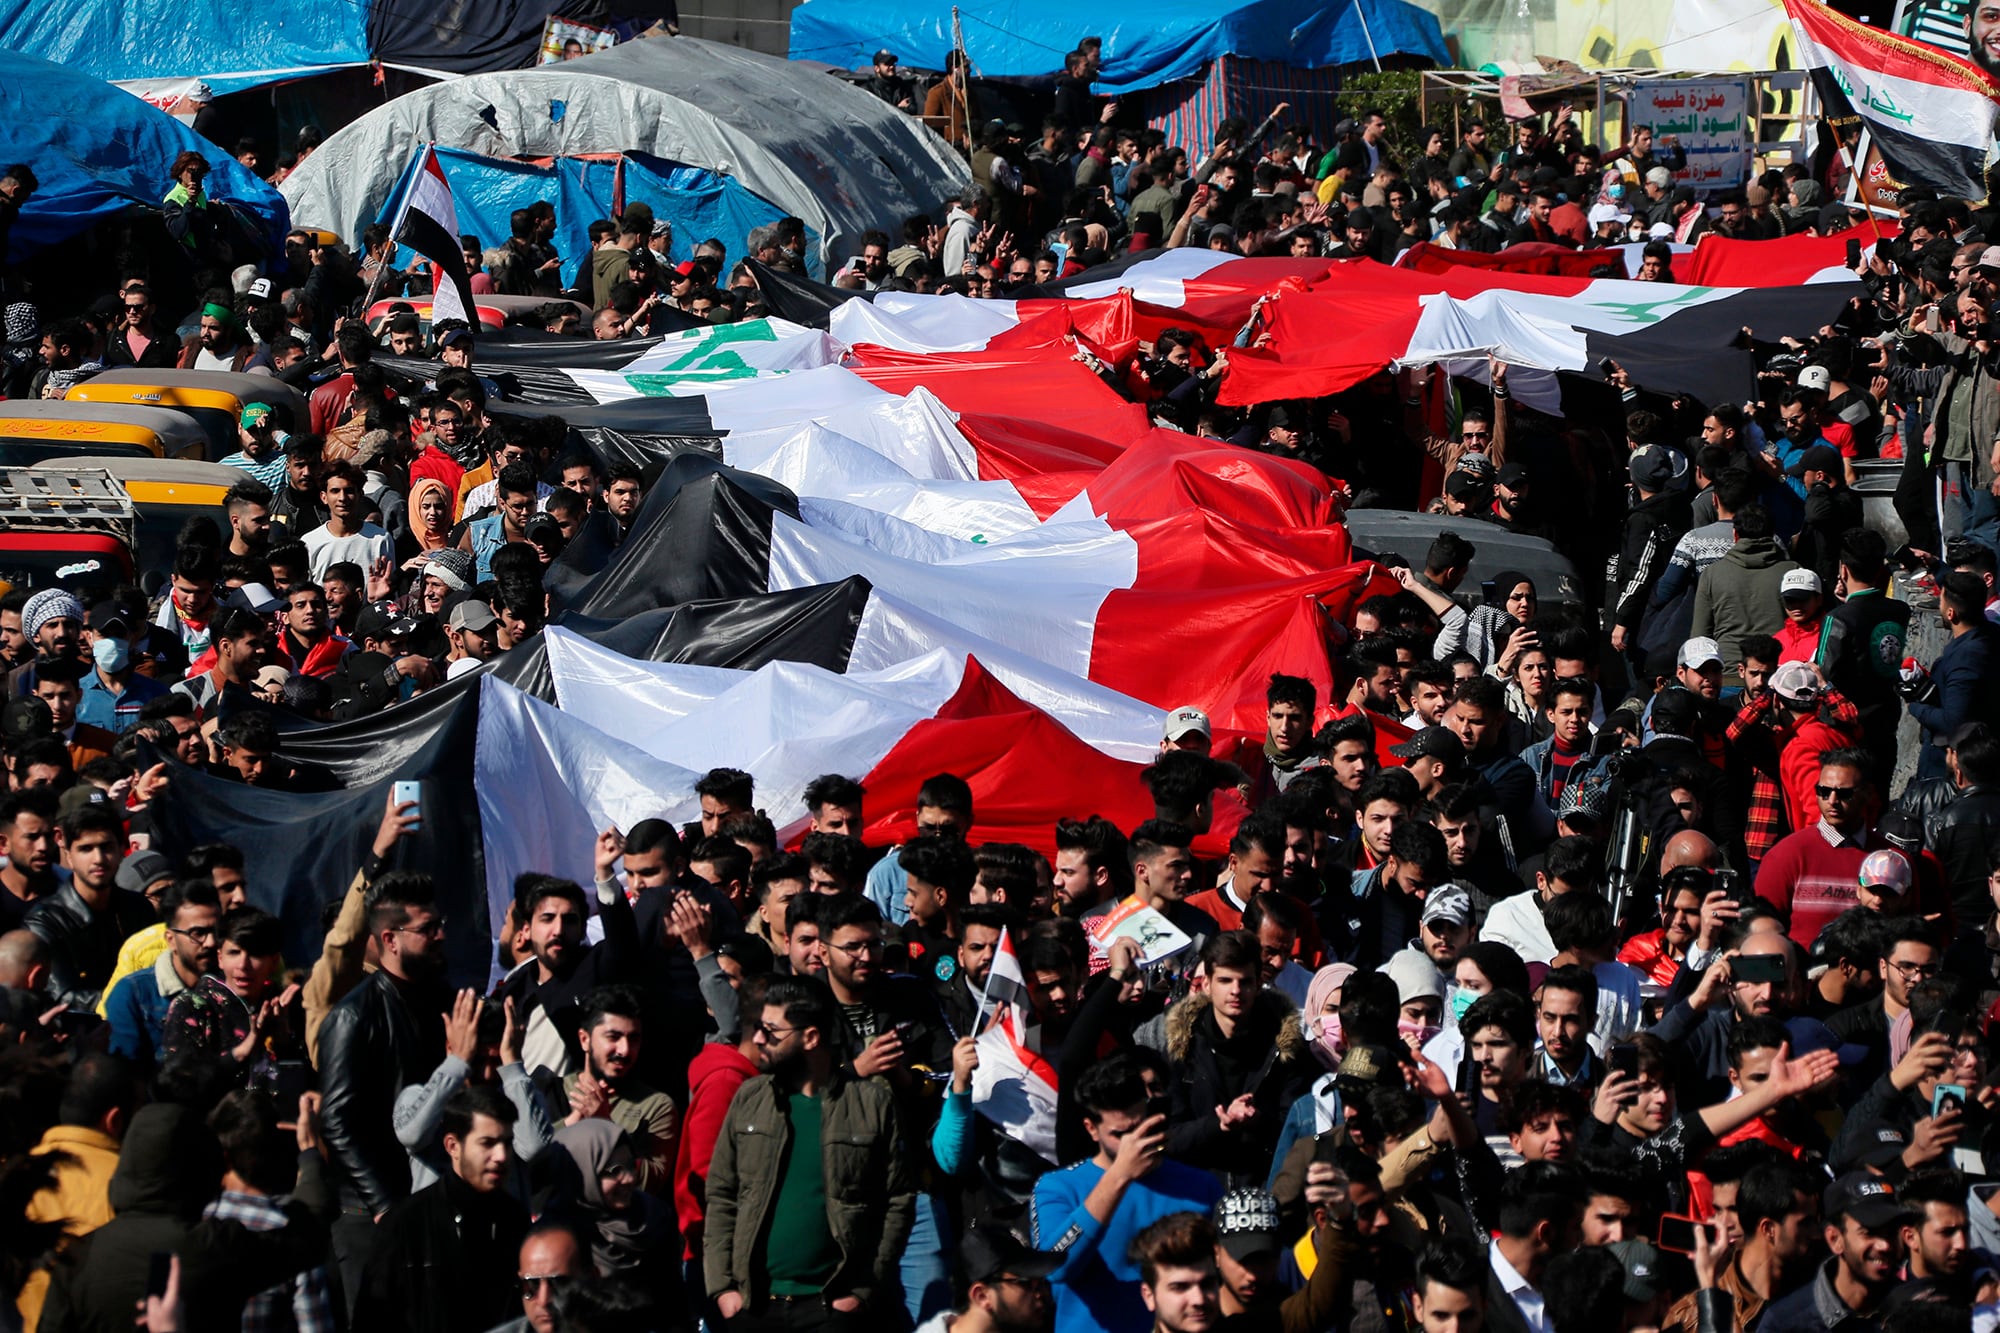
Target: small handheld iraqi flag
(1929, 113)
(1014, 1087)
(427, 222)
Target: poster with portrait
(566, 39)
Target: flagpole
(395, 230)
(1857, 166)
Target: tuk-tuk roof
(176, 429)
(171, 471)
(247, 388)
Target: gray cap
(139, 869)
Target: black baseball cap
(27, 718)
(990, 1252)
(1432, 743)
(1868, 1199)
(1819, 458)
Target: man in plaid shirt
(258, 1159)
(1758, 738)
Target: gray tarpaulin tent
(816, 147)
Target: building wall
(760, 25)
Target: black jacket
(1652, 526)
(445, 1262)
(372, 1045)
(1830, 511)
(168, 1166)
(162, 353)
(614, 958)
(1966, 837)
(1267, 1059)
(83, 943)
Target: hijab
(1318, 991)
(620, 1240)
(429, 539)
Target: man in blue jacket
(1957, 691)
(137, 1008)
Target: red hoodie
(713, 1078)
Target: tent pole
(1373, 54)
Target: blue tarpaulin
(1392, 27)
(1163, 41)
(699, 203)
(167, 39)
(97, 149)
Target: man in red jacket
(713, 1078)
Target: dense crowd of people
(1642, 987)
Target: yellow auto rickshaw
(38, 430)
(214, 398)
(166, 492)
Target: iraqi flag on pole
(428, 223)
(1929, 113)
(1014, 1087)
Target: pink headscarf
(1325, 983)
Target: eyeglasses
(430, 930)
(858, 949)
(774, 1033)
(1916, 971)
(1470, 434)
(1838, 793)
(195, 933)
(531, 1286)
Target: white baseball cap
(1699, 653)
(1815, 377)
(1183, 720)
(1798, 580)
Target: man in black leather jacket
(1965, 835)
(386, 1034)
(85, 920)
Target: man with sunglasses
(551, 1259)
(1811, 873)
(137, 339)
(811, 1190)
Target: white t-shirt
(1516, 922)
(364, 548)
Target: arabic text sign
(1709, 119)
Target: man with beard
(138, 1004)
(308, 637)
(960, 976)
(1982, 35)
(607, 1086)
(1777, 1206)
(1006, 1287)
(448, 1251)
(890, 1023)
(1864, 1220)
(810, 1192)
(548, 988)
(1937, 1239)
(385, 1034)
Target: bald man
(550, 1260)
(1701, 1023)
(1694, 906)
(24, 961)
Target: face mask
(112, 654)
(1329, 1032)
(1461, 1000)
(1421, 1032)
